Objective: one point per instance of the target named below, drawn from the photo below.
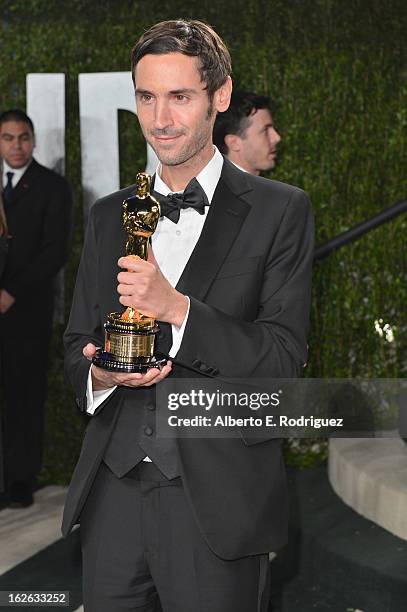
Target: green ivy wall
(337, 73)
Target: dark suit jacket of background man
(39, 217)
(249, 281)
(3, 254)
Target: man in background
(38, 207)
(245, 133)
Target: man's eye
(146, 98)
(181, 98)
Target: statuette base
(108, 361)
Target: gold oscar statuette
(130, 335)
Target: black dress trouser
(25, 335)
(142, 550)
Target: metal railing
(360, 229)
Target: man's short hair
(190, 37)
(236, 119)
(16, 114)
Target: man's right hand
(103, 379)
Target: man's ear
(222, 96)
(233, 142)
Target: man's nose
(163, 117)
(274, 137)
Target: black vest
(134, 436)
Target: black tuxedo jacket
(249, 281)
(3, 253)
(39, 217)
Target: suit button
(79, 403)
(148, 431)
(196, 363)
(150, 406)
(203, 367)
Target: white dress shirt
(17, 173)
(239, 167)
(172, 245)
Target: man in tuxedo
(186, 524)
(38, 207)
(245, 133)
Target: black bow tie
(193, 197)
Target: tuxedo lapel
(225, 218)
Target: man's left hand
(145, 289)
(6, 301)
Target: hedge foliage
(337, 74)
